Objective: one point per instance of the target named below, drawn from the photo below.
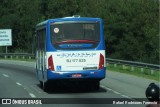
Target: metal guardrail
(17, 55)
(131, 63)
(108, 60)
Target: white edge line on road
(106, 87)
(126, 96)
(115, 92)
(32, 95)
(5, 75)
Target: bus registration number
(76, 75)
(75, 60)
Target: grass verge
(137, 71)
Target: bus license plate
(77, 75)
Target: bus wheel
(95, 85)
(45, 86)
(41, 84)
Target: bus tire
(45, 86)
(96, 85)
(41, 84)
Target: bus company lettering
(83, 54)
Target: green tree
(131, 26)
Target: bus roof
(73, 18)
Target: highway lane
(129, 85)
(11, 88)
(25, 75)
(20, 82)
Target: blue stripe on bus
(85, 74)
(76, 45)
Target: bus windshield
(62, 33)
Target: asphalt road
(18, 80)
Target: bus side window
(43, 39)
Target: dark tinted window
(63, 32)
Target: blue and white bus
(70, 48)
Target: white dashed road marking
(18, 83)
(32, 95)
(5, 75)
(37, 90)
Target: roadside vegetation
(131, 27)
(137, 71)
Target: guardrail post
(142, 70)
(16, 57)
(132, 68)
(11, 57)
(152, 72)
(123, 66)
(115, 65)
(23, 57)
(29, 57)
(5, 57)
(107, 64)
